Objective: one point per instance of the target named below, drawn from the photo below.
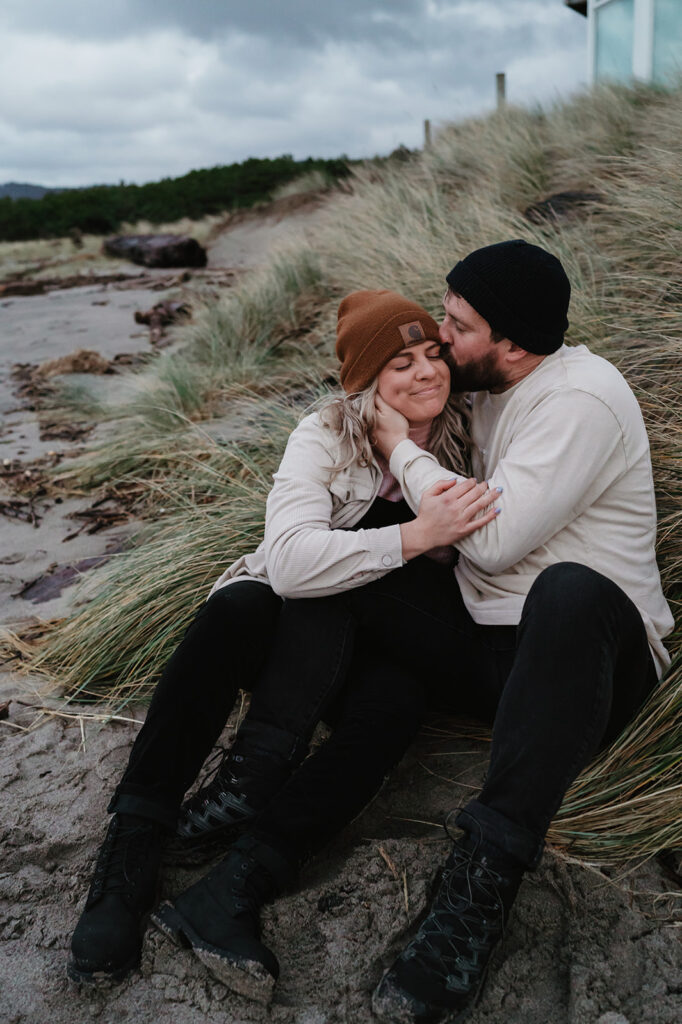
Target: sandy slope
(580, 948)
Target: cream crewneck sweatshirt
(569, 447)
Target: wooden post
(501, 90)
(427, 134)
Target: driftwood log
(157, 250)
(561, 206)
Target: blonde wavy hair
(352, 419)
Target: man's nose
(443, 334)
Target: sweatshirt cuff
(403, 453)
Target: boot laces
(122, 858)
(217, 780)
(250, 885)
(467, 919)
(224, 775)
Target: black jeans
(245, 638)
(223, 651)
(376, 718)
(556, 688)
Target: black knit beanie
(520, 289)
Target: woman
(332, 480)
(334, 522)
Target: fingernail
(499, 490)
(497, 511)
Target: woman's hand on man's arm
(448, 512)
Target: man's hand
(448, 512)
(390, 427)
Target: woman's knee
(243, 604)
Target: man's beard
(483, 375)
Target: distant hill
(31, 211)
(19, 190)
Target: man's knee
(572, 604)
(567, 585)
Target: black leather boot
(440, 973)
(250, 773)
(219, 917)
(107, 942)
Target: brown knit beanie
(373, 326)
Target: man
(562, 615)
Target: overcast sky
(98, 91)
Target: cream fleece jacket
(308, 550)
(569, 447)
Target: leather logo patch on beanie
(412, 332)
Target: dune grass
(206, 504)
(261, 335)
(269, 342)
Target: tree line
(101, 209)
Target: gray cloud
(137, 90)
(306, 22)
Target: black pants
(245, 638)
(556, 688)
(223, 651)
(295, 664)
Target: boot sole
(100, 979)
(398, 1007)
(244, 976)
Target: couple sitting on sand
(388, 581)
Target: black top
(383, 512)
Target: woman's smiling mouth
(425, 392)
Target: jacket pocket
(352, 485)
